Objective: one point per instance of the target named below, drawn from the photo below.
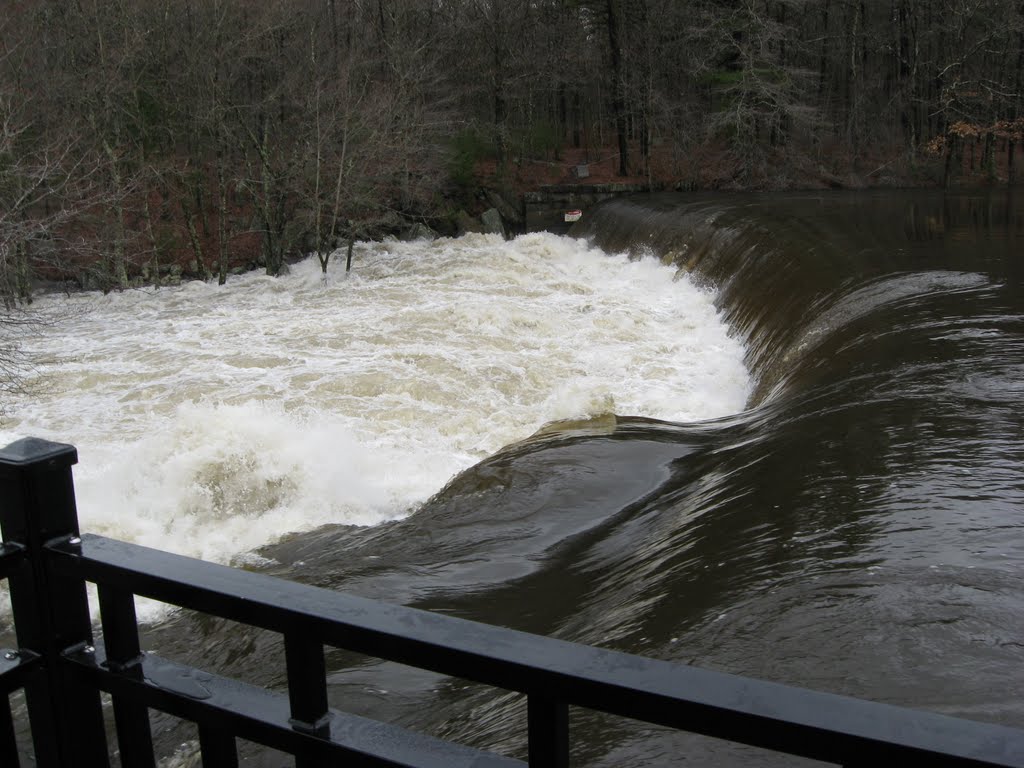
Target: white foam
(211, 420)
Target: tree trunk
(1011, 171)
(853, 86)
(577, 119)
(222, 224)
(193, 236)
(947, 174)
(268, 204)
(823, 55)
(988, 156)
(23, 275)
(118, 270)
(154, 250)
(500, 111)
(618, 87)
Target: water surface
(794, 451)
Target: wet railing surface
(62, 670)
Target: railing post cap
(33, 450)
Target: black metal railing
(62, 670)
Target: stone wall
(545, 208)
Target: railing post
(547, 732)
(124, 656)
(217, 747)
(8, 744)
(307, 690)
(51, 610)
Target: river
(776, 435)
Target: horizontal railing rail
(553, 674)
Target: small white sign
(573, 215)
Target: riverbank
(530, 194)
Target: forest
(145, 139)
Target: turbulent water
(211, 421)
(793, 450)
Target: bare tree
(45, 185)
(748, 60)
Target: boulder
(508, 211)
(418, 231)
(464, 223)
(389, 223)
(491, 221)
